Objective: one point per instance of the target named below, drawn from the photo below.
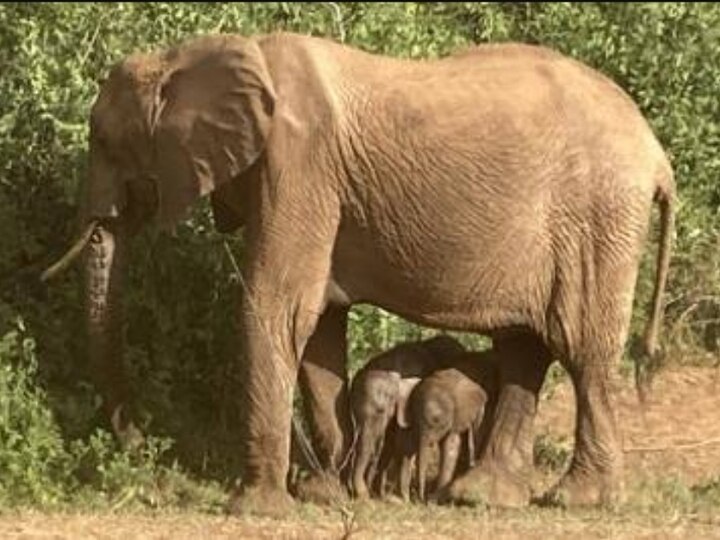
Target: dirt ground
(677, 435)
(440, 525)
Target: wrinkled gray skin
(447, 405)
(379, 395)
(504, 190)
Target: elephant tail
(665, 197)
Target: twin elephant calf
(411, 398)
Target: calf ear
(406, 388)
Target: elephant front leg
(275, 334)
(407, 448)
(502, 475)
(387, 462)
(324, 385)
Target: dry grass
(374, 521)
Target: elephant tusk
(71, 254)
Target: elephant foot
(261, 501)
(486, 485)
(323, 489)
(577, 490)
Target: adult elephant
(504, 190)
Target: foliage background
(180, 346)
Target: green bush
(180, 342)
(39, 467)
(33, 461)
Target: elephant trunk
(105, 267)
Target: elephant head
(167, 128)
(170, 127)
(444, 348)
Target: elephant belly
(445, 286)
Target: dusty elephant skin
(445, 407)
(379, 397)
(504, 188)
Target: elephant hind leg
(406, 470)
(450, 451)
(595, 471)
(595, 474)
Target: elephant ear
(406, 388)
(211, 120)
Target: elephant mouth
(73, 253)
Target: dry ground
(677, 433)
(387, 524)
(675, 439)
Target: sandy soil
(676, 433)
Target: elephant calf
(446, 405)
(379, 395)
